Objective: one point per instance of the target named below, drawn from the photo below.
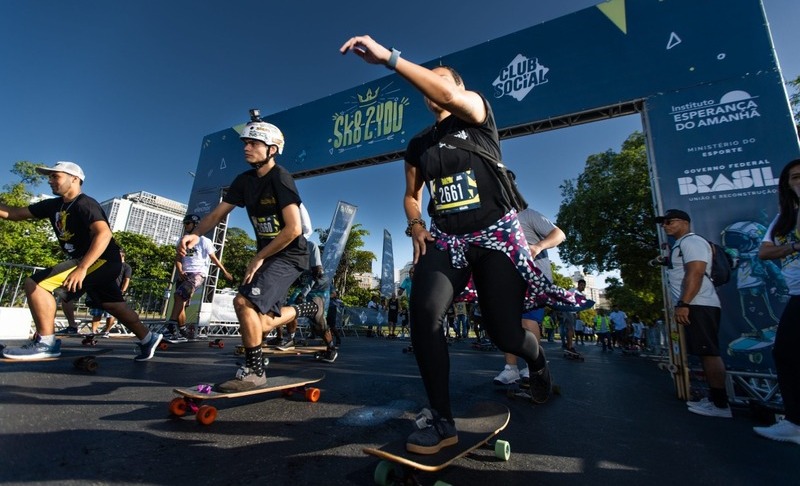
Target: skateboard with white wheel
(478, 428)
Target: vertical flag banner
(337, 237)
(387, 266)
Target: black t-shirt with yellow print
(264, 198)
(71, 222)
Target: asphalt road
(617, 421)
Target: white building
(155, 217)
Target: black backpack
(722, 264)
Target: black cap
(674, 214)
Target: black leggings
(787, 359)
(501, 291)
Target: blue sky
(128, 90)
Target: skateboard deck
(271, 350)
(190, 399)
(81, 361)
(482, 422)
(574, 355)
(213, 343)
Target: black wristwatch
(681, 303)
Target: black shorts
(100, 284)
(268, 289)
(702, 333)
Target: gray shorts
(270, 285)
(186, 288)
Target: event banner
(387, 266)
(337, 237)
(717, 151)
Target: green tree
(239, 250)
(30, 242)
(561, 280)
(152, 264)
(607, 214)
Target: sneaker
(34, 350)
(525, 373)
(433, 433)
(104, 334)
(245, 379)
(508, 376)
(276, 341)
(783, 431)
(698, 403)
(68, 331)
(329, 356)
(541, 385)
(147, 350)
(708, 409)
(175, 337)
(286, 345)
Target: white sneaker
(508, 376)
(525, 373)
(783, 431)
(698, 403)
(710, 410)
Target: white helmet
(266, 132)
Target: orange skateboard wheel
(312, 394)
(177, 407)
(206, 414)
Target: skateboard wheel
(502, 450)
(312, 394)
(221, 344)
(206, 414)
(177, 407)
(163, 346)
(384, 473)
(90, 364)
(672, 368)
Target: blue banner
(717, 152)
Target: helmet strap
(259, 165)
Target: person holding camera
(697, 307)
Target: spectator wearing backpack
(697, 307)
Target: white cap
(70, 168)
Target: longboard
(81, 362)
(481, 423)
(315, 350)
(190, 399)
